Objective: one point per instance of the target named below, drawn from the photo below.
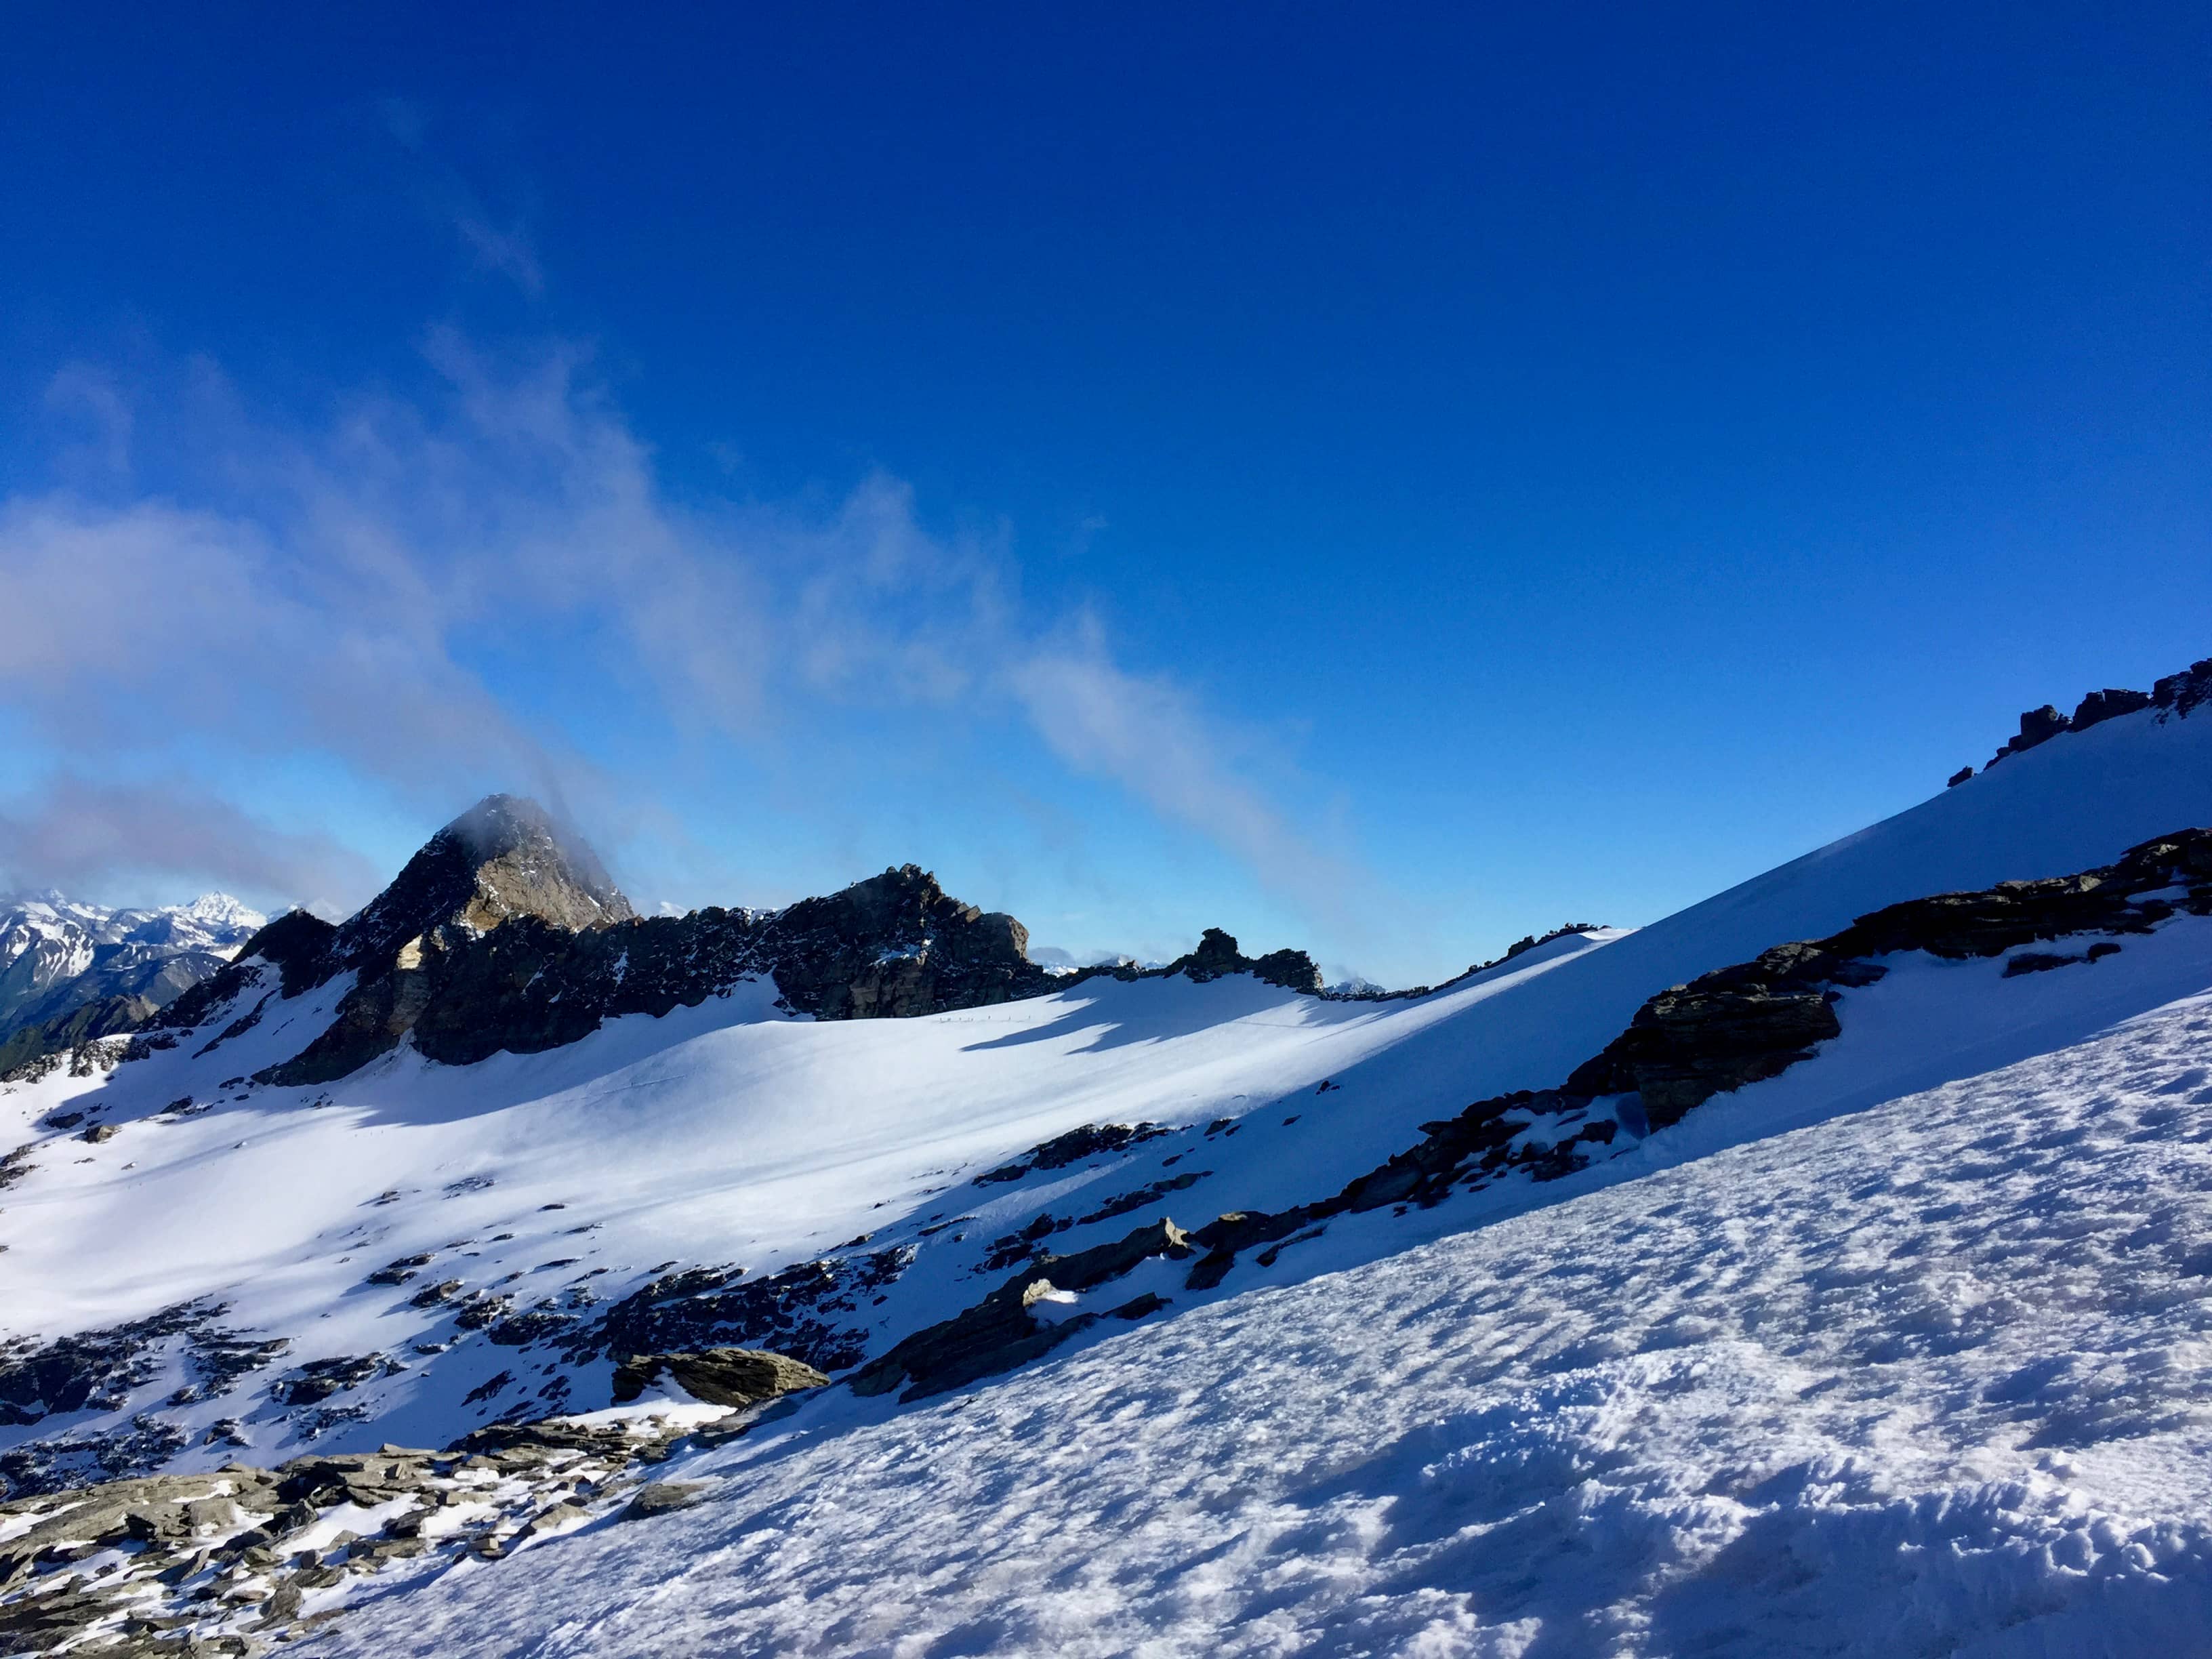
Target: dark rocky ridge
(2174, 696)
(504, 934)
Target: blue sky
(1386, 483)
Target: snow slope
(1926, 1379)
(730, 1134)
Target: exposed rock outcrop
(2037, 725)
(897, 944)
(504, 934)
(2175, 696)
(1085, 1141)
(1003, 1331)
(531, 949)
(720, 1376)
(1217, 957)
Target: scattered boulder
(318, 1379)
(719, 1377)
(664, 1497)
(399, 1271)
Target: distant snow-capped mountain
(58, 955)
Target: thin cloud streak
(81, 832)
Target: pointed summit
(504, 857)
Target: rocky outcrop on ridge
(1216, 957)
(893, 946)
(2174, 696)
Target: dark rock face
(1001, 1332)
(891, 946)
(2037, 725)
(1690, 1043)
(2109, 704)
(2174, 696)
(896, 945)
(2177, 694)
(298, 943)
(720, 1376)
(1958, 777)
(502, 864)
(1217, 955)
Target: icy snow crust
(1925, 1379)
(733, 1133)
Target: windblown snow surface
(1925, 1379)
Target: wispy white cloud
(326, 592)
(493, 242)
(1150, 735)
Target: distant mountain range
(67, 967)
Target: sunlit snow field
(1929, 1378)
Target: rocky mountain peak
(1218, 955)
(894, 944)
(504, 857)
(906, 906)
